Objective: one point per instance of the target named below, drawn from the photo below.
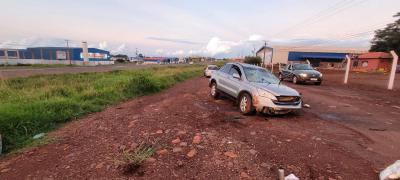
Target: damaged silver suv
(255, 89)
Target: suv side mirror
(236, 76)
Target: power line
(321, 12)
(347, 6)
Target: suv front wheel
(213, 90)
(245, 104)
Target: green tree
(388, 38)
(252, 60)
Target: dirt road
(348, 133)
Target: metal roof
(298, 56)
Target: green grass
(33, 105)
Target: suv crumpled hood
(277, 89)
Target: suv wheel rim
(243, 104)
(213, 90)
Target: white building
(318, 56)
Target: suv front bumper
(266, 105)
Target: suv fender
(211, 81)
(241, 93)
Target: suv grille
(287, 100)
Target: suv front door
(223, 75)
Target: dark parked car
(301, 73)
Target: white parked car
(209, 70)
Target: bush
(255, 60)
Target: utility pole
(272, 64)
(68, 56)
(264, 49)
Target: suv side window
(226, 68)
(235, 69)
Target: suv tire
(295, 80)
(281, 77)
(246, 104)
(214, 91)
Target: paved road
(31, 71)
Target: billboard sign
(61, 55)
(268, 55)
(96, 56)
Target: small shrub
(252, 60)
(141, 84)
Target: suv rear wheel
(245, 104)
(280, 76)
(213, 90)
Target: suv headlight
(303, 74)
(320, 74)
(266, 94)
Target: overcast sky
(221, 28)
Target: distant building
(136, 60)
(237, 59)
(53, 55)
(119, 57)
(323, 57)
(371, 62)
(10, 53)
(160, 60)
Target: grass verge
(33, 105)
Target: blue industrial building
(56, 53)
(317, 59)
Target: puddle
(329, 116)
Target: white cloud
(256, 37)
(160, 51)
(103, 45)
(178, 53)
(217, 46)
(120, 49)
(34, 42)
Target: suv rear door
(222, 78)
(233, 84)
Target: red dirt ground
(332, 139)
